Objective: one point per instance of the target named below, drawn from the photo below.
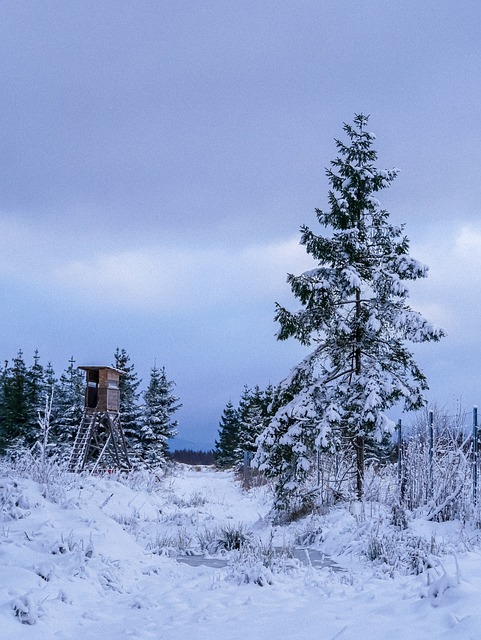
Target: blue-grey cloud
(157, 160)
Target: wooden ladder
(82, 442)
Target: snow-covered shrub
(401, 552)
(441, 583)
(109, 580)
(399, 517)
(335, 474)
(224, 538)
(49, 472)
(41, 463)
(258, 562)
(163, 545)
(194, 500)
(14, 502)
(180, 518)
(437, 478)
(130, 522)
(231, 537)
(46, 571)
(381, 483)
(197, 499)
(149, 480)
(309, 535)
(69, 545)
(246, 569)
(179, 543)
(206, 539)
(26, 609)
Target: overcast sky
(158, 158)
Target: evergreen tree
(157, 425)
(130, 410)
(49, 379)
(3, 379)
(268, 398)
(16, 408)
(23, 394)
(226, 445)
(253, 418)
(355, 314)
(36, 389)
(41, 385)
(70, 404)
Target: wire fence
(434, 467)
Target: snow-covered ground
(95, 558)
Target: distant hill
(188, 456)
(181, 443)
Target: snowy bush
(67, 544)
(246, 568)
(258, 562)
(207, 539)
(196, 499)
(130, 522)
(403, 553)
(335, 472)
(179, 543)
(48, 472)
(309, 535)
(232, 537)
(399, 517)
(437, 478)
(149, 480)
(442, 582)
(224, 538)
(14, 502)
(26, 609)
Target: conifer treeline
(146, 416)
(189, 456)
(240, 426)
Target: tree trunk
(358, 333)
(359, 446)
(359, 441)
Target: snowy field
(98, 557)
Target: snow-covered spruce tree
(18, 411)
(69, 405)
(355, 315)
(36, 387)
(3, 378)
(226, 444)
(23, 393)
(130, 411)
(253, 418)
(157, 426)
(40, 383)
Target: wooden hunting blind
(102, 392)
(100, 442)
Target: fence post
(247, 468)
(431, 449)
(475, 454)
